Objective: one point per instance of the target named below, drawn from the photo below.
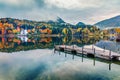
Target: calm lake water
(33, 58)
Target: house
(23, 32)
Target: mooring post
(94, 58)
(54, 45)
(104, 49)
(110, 55)
(92, 47)
(82, 50)
(118, 49)
(94, 61)
(54, 50)
(73, 46)
(110, 65)
(94, 52)
(82, 54)
(65, 46)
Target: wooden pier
(92, 51)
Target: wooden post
(94, 52)
(94, 61)
(65, 46)
(110, 65)
(92, 47)
(110, 55)
(82, 54)
(54, 45)
(73, 46)
(54, 50)
(104, 49)
(94, 57)
(82, 50)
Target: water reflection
(84, 56)
(23, 43)
(46, 65)
(33, 58)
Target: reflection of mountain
(28, 43)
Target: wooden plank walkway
(89, 51)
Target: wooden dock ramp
(89, 50)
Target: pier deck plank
(96, 51)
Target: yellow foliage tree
(79, 29)
(65, 31)
(15, 31)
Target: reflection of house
(23, 38)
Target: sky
(71, 11)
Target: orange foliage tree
(117, 30)
(4, 26)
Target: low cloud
(72, 11)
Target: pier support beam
(110, 55)
(104, 49)
(94, 52)
(82, 54)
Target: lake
(33, 58)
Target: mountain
(80, 24)
(29, 24)
(109, 23)
(60, 20)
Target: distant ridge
(58, 23)
(109, 23)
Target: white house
(23, 32)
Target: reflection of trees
(83, 40)
(15, 44)
(5, 44)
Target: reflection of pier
(89, 51)
(109, 62)
(83, 56)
